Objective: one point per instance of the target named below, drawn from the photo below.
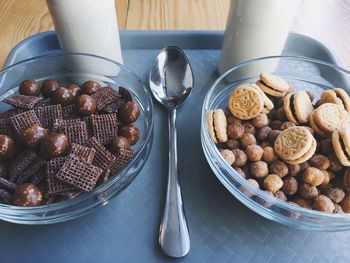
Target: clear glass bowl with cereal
(75, 131)
(276, 133)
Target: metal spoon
(171, 82)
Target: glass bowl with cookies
(75, 130)
(276, 133)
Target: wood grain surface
(325, 20)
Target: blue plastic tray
(126, 229)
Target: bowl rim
(104, 186)
(258, 192)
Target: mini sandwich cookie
(268, 104)
(341, 144)
(273, 85)
(217, 125)
(337, 96)
(298, 107)
(328, 118)
(295, 145)
(245, 102)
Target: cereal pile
(286, 145)
(65, 143)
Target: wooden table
(326, 20)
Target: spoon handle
(173, 233)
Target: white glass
(256, 28)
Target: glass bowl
(77, 68)
(302, 73)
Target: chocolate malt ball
(323, 203)
(48, 87)
(290, 185)
(235, 131)
(259, 169)
(269, 154)
(319, 161)
(32, 135)
(287, 124)
(280, 195)
(249, 128)
(53, 145)
(90, 87)
(264, 133)
(247, 139)
(294, 169)
(232, 144)
(345, 204)
(260, 121)
(29, 88)
(302, 202)
(313, 176)
(129, 112)
(62, 96)
(27, 195)
(130, 132)
(307, 191)
(335, 194)
(272, 183)
(273, 135)
(228, 156)
(240, 158)
(254, 152)
(278, 167)
(85, 105)
(120, 142)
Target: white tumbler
(256, 28)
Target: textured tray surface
(126, 229)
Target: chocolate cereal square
(9, 113)
(103, 157)
(55, 186)
(23, 120)
(43, 103)
(5, 196)
(39, 177)
(75, 131)
(21, 163)
(69, 112)
(22, 101)
(6, 127)
(7, 184)
(48, 114)
(112, 107)
(86, 153)
(122, 160)
(79, 174)
(105, 127)
(104, 97)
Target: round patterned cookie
(329, 117)
(268, 104)
(217, 125)
(329, 96)
(293, 143)
(245, 102)
(341, 144)
(344, 97)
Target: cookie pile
(286, 145)
(59, 145)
